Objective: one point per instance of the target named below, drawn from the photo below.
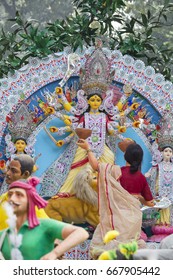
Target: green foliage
(139, 38)
(133, 35)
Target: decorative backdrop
(32, 83)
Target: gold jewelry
(89, 150)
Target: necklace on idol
(167, 166)
(94, 111)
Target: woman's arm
(92, 159)
(149, 203)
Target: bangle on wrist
(88, 150)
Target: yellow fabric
(157, 185)
(41, 214)
(164, 213)
(3, 216)
(164, 217)
(107, 156)
(67, 106)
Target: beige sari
(118, 210)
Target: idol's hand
(60, 143)
(83, 144)
(147, 174)
(53, 129)
(67, 120)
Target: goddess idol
(160, 176)
(95, 111)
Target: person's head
(20, 167)
(20, 144)
(22, 195)
(167, 153)
(134, 155)
(94, 101)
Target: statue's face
(167, 154)
(20, 146)
(95, 101)
(13, 172)
(18, 199)
(142, 113)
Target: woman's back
(135, 183)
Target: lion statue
(80, 207)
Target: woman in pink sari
(120, 192)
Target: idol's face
(95, 101)
(20, 146)
(167, 154)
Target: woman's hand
(92, 159)
(149, 203)
(83, 144)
